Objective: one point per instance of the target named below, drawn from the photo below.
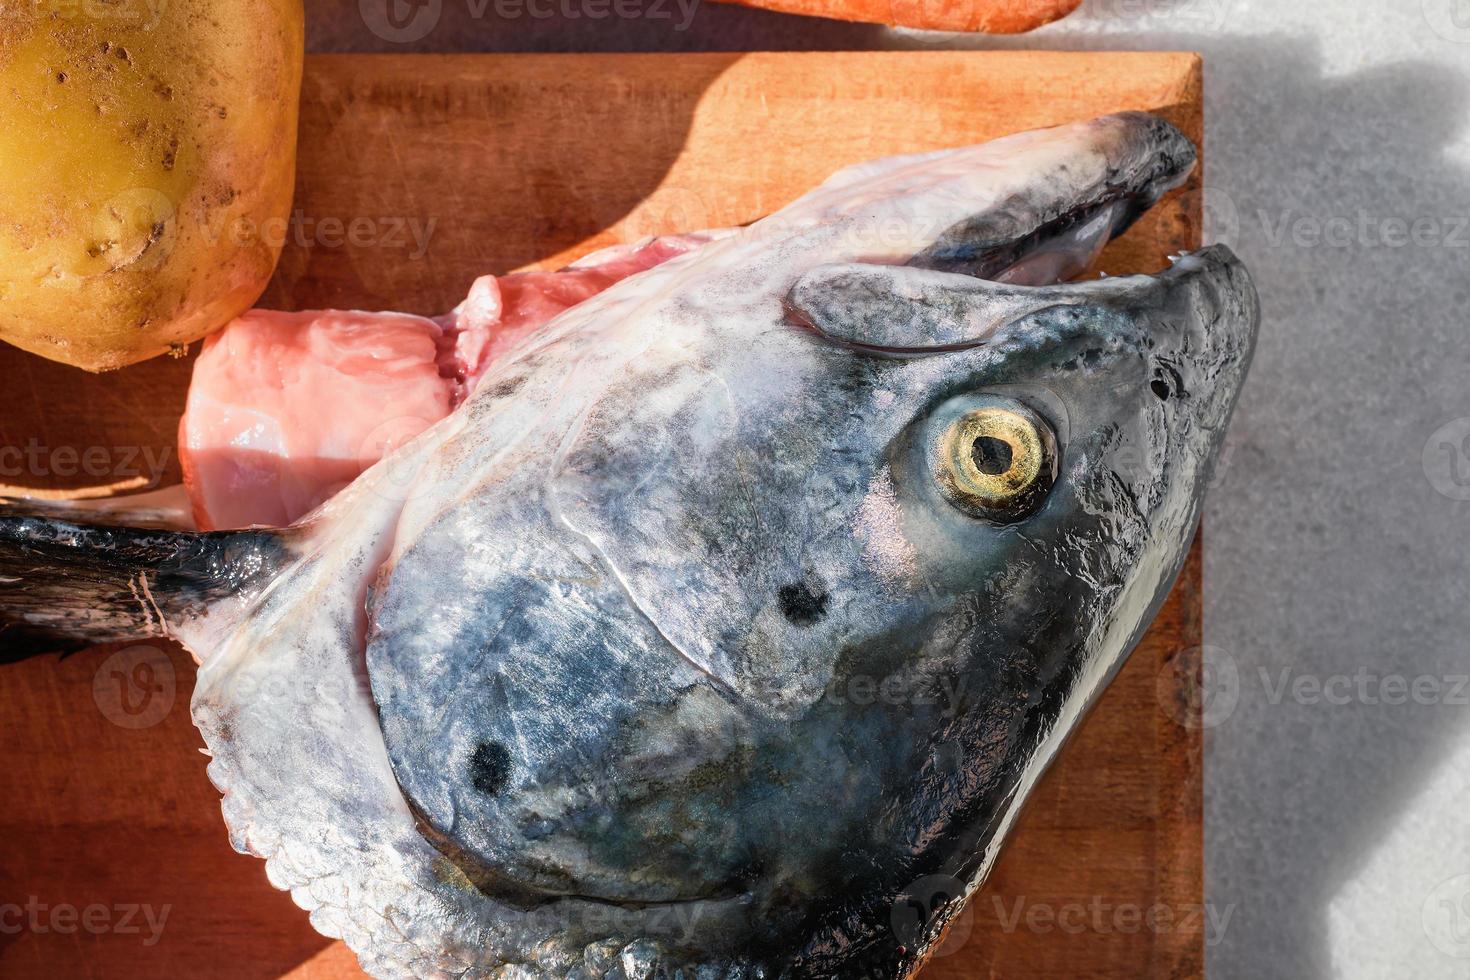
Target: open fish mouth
(1032, 241)
(1021, 247)
(1059, 251)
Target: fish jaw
(676, 524)
(987, 209)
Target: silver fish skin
(687, 647)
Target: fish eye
(998, 461)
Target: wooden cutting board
(417, 174)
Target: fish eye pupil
(1161, 389)
(992, 456)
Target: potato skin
(147, 164)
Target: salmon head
(746, 595)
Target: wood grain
(517, 161)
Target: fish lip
(1216, 265)
(1148, 158)
(990, 260)
(1232, 294)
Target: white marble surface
(1338, 821)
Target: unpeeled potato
(147, 162)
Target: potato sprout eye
(997, 461)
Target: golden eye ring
(997, 461)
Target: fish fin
(901, 308)
(905, 309)
(67, 585)
(19, 643)
(168, 509)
